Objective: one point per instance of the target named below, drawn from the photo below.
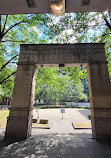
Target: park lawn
(3, 118)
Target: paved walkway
(59, 125)
(61, 141)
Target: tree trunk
(0, 29)
(6, 102)
(2, 104)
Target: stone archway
(19, 122)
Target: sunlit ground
(3, 118)
(54, 116)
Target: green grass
(3, 117)
(4, 114)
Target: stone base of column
(18, 128)
(101, 128)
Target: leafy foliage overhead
(46, 28)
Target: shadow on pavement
(79, 145)
(85, 112)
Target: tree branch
(12, 41)
(13, 27)
(106, 34)
(107, 23)
(4, 25)
(7, 63)
(7, 77)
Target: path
(61, 141)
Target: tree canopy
(47, 28)
(54, 85)
(17, 29)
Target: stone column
(19, 122)
(100, 100)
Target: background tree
(70, 28)
(14, 30)
(54, 85)
(92, 27)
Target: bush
(89, 116)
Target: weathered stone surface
(17, 127)
(90, 55)
(101, 128)
(67, 53)
(20, 119)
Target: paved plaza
(60, 141)
(59, 125)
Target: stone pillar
(19, 122)
(100, 100)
